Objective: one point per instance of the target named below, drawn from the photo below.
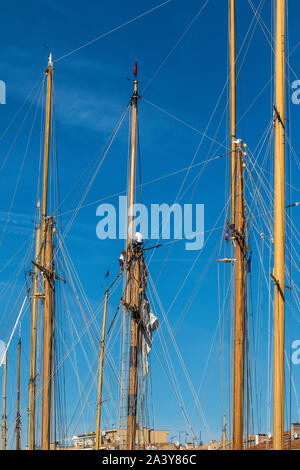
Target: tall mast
(132, 280)
(232, 107)
(4, 405)
(279, 230)
(237, 236)
(47, 269)
(49, 72)
(239, 333)
(48, 334)
(18, 417)
(99, 402)
(53, 374)
(34, 306)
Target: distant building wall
(295, 429)
(115, 437)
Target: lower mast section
(133, 309)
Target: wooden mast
(232, 107)
(4, 405)
(47, 269)
(18, 417)
(52, 358)
(134, 282)
(237, 236)
(48, 335)
(34, 306)
(99, 402)
(279, 230)
(239, 333)
(49, 73)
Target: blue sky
(91, 93)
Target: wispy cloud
(86, 110)
(19, 224)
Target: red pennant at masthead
(135, 70)
(226, 235)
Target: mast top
(135, 95)
(50, 60)
(135, 81)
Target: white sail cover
(2, 352)
(149, 324)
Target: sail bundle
(149, 323)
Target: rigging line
(200, 143)
(269, 191)
(82, 394)
(14, 329)
(21, 107)
(197, 179)
(215, 335)
(258, 198)
(71, 268)
(185, 123)
(290, 228)
(85, 403)
(175, 46)
(293, 152)
(16, 252)
(254, 101)
(293, 384)
(85, 298)
(112, 31)
(172, 379)
(263, 27)
(264, 208)
(223, 91)
(73, 361)
(260, 20)
(42, 127)
(193, 294)
(215, 110)
(84, 318)
(159, 238)
(173, 387)
(262, 24)
(20, 171)
(59, 364)
(66, 231)
(193, 264)
(96, 352)
(242, 62)
(178, 199)
(196, 233)
(263, 215)
(82, 333)
(74, 364)
(268, 130)
(155, 180)
(250, 40)
(243, 59)
(90, 165)
(72, 340)
(20, 128)
(15, 275)
(265, 185)
(252, 104)
(177, 350)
